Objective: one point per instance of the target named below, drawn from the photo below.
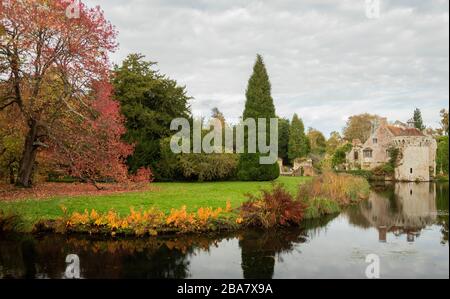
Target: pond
(405, 225)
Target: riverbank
(161, 196)
(170, 208)
(294, 252)
(374, 177)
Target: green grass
(319, 207)
(165, 197)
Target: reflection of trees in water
(356, 218)
(29, 257)
(17, 258)
(403, 208)
(26, 256)
(442, 194)
(260, 249)
(313, 227)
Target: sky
(327, 59)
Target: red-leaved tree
(48, 62)
(91, 149)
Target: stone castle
(417, 151)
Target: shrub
(9, 222)
(318, 207)
(274, 208)
(168, 167)
(140, 223)
(441, 178)
(142, 175)
(202, 220)
(208, 167)
(250, 169)
(367, 174)
(394, 155)
(340, 155)
(195, 167)
(382, 171)
(343, 188)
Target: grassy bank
(163, 196)
(189, 207)
(329, 193)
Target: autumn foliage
(274, 208)
(49, 64)
(54, 79)
(149, 222)
(93, 149)
(341, 188)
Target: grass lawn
(165, 197)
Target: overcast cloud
(325, 58)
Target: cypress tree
(299, 145)
(418, 122)
(259, 104)
(283, 139)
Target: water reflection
(331, 247)
(403, 209)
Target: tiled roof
(398, 131)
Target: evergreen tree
(259, 104)
(418, 122)
(299, 146)
(149, 102)
(283, 139)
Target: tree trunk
(28, 157)
(12, 178)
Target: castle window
(356, 156)
(375, 141)
(411, 171)
(368, 153)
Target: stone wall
(304, 168)
(417, 158)
(414, 165)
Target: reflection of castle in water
(405, 208)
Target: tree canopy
(299, 145)
(259, 104)
(283, 139)
(150, 101)
(418, 121)
(317, 141)
(360, 127)
(334, 142)
(48, 64)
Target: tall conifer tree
(418, 121)
(259, 104)
(299, 145)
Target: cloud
(326, 59)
